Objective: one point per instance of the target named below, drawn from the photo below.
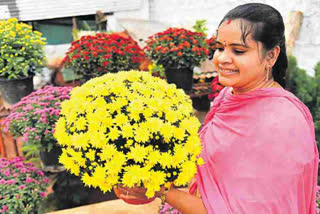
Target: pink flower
(23, 170)
(11, 181)
(22, 187)
(43, 194)
(45, 180)
(29, 180)
(15, 175)
(3, 181)
(40, 173)
(4, 209)
(7, 172)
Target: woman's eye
(238, 51)
(220, 49)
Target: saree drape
(260, 155)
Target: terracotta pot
(119, 192)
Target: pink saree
(260, 155)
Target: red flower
(95, 55)
(216, 87)
(105, 63)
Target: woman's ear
(272, 55)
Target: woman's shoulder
(281, 106)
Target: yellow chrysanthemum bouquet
(130, 129)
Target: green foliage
(157, 69)
(307, 89)
(299, 83)
(200, 26)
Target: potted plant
(93, 56)
(178, 50)
(33, 118)
(22, 186)
(22, 55)
(129, 129)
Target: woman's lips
(228, 71)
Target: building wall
(184, 13)
(30, 10)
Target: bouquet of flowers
(35, 115)
(22, 50)
(177, 48)
(22, 186)
(129, 129)
(93, 56)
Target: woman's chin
(226, 81)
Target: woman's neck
(263, 84)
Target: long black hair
(266, 25)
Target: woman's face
(239, 65)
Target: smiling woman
(258, 139)
(243, 63)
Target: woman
(258, 139)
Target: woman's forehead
(231, 31)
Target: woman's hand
(132, 192)
(133, 195)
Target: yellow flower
(116, 164)
(99, 176)
(107, 153)
(138, 153)
(120, 119)
(142, 133)
(127, 131)
(132, 175)
(154, 182)
(91, 155)
(81, 123)
(154, 157)
(166, 131)
(188, 170)
(114, 133)
(167, 160)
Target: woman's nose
(224, 57)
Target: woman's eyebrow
(234, 44)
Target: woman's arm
(184, 202)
